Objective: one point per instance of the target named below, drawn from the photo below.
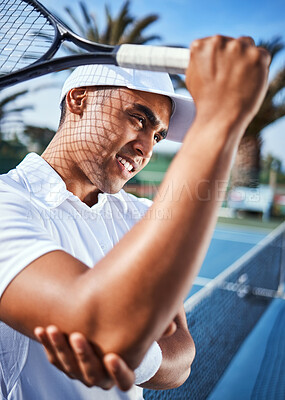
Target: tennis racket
(30, 36)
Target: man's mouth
(126, 164)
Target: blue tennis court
(228, 244)
(237, 319)
(257, 370)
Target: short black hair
(62, 112)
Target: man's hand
(77, 358)
(227, 79)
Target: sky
(180, 22)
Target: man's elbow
(181, 379)
(110, 331)
(189, 358)
(175, 369)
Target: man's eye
(157, 138)
(141, 120)
(138, 119)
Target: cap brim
(182, 117)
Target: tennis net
(223, 313)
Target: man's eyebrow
(151, 117)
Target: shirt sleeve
(23, 237)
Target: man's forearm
(130, 297)
(155, 263)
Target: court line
(241, 237)
(192, 301)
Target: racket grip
(173, 60)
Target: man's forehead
(158, 104)
(149, 96)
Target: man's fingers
(247, 39)
(123, 376)
(90, 364)
(266, 56)
(42, 337)
(63, 352)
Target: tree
(11, 153)
(38, 137)
(12, 150)
(8, 113)
(121, 29)
(247, 165)
(270, 167)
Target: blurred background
(241, 250)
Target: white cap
(146, 81)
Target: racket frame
(154, 58)
(45, 65)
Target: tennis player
(65, 212)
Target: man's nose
(144, 145)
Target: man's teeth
(126, 164)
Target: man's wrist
(219, 127)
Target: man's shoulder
(14, 194)
(13, 179)
(10, 183)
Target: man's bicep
(44, 292)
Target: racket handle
(154, 58)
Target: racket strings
(25, 35)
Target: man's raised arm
(132, 295)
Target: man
(59, 220)
(52, 218)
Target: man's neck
(75, 180)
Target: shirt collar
(49, 188)
(43, 181)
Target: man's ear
(76, 100)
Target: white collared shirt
(39, 215)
